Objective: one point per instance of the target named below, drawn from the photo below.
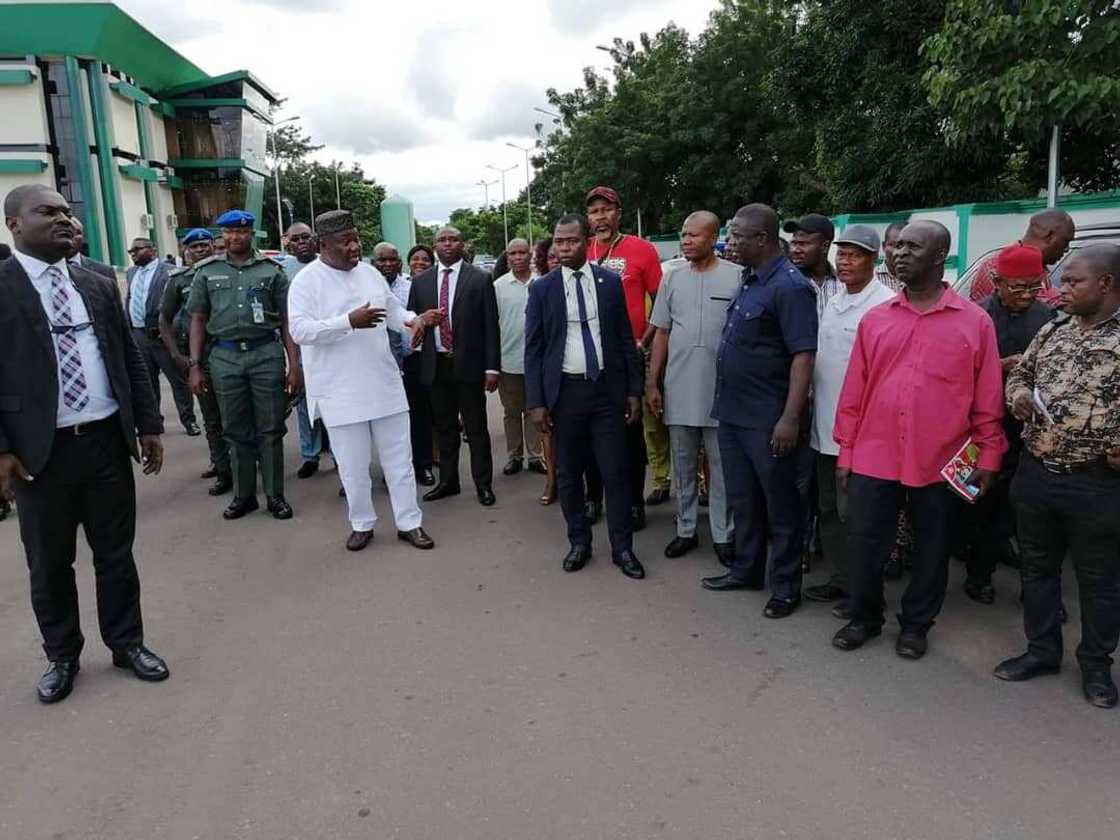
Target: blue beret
(236, 219)
(198, 235)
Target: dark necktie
(589, 354)
(445, 305)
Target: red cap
(605, 193)
(1016, 262)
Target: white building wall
(133, 207)
(126, 136)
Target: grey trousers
(684, 441)
(158, 360)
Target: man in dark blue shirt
(763, 372)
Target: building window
(64, 142)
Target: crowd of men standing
(810, 408)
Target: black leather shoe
(240, 506)
(825, 593)
(222, 486)
(637, 519)
(5, 509)
(358, 540)
(1099, 688)
(486, 496)
(142, 662)
(911, 644)
(307, 469)
(425, 477)
(441, 491)
(725, 553)
(680, 546)
(538, 466)
(781, 607)
(1025, 667)
(854, 634)
(577, 558)
(279, 508)
(629, 565)
(210, 472)
(58, 681)
(982, 592)
(728, 582)
(512, 467)
(593, 511)
(417, 538)
(659, 496)
(192, 429)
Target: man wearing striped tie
(75, 398)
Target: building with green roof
(140, 141)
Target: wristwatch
(193, 363)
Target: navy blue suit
(588, 417)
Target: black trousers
(1078, 515)
(989, 525)
(833, 523)
(765, 504)
(872, 524)
(635, 473)
(419, 422)
(158, 359)
(590, 427)
(88, 481)
(451, 399)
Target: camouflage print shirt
(1077, 373)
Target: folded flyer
(959, 470)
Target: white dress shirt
(138, 291)
(836, 335)
(101, 403)
(350, 375)
(452, 282)
(575, 360)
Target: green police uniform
(244, 304)
(173, 307)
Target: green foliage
(1004, 74)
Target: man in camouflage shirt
(1066, 491)
(174, 330)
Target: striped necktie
(75, 392)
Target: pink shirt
(918, 385)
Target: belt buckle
(79, 429)
(1056, 468)
(243, 346)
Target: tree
(1003, 73)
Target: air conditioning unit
(147, 221)
(172, 221)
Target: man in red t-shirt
(639, 265)
(1050, 231)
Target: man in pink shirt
(924, 377)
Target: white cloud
(423, 97)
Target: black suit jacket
(155, 294)
(29, 366)
(474, 316)
(546, 334)
(97, 267)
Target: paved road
(476, 691)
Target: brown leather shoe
(358, 540)
(418, 537)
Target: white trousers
(352, 448)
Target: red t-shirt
(639, 265)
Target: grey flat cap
(861, 236)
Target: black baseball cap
(812, 223)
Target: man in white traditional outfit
(340, 312)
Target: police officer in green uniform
(174, 329)
(239, 302)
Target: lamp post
(276, 173)
(505, 212)
(486, 185)
(311, 198)
(528, 189)
(337, 191)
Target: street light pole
(528, 189)
(337, 191)
(276, 173)
(311, 198)
(505, 211)
(486, 185)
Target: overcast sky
(423, 94)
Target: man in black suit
(78, 257)
(74, 396)
(146, 281)
(458, 361)
(583, 383)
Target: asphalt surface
(477, 691)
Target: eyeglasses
(1024, 291)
